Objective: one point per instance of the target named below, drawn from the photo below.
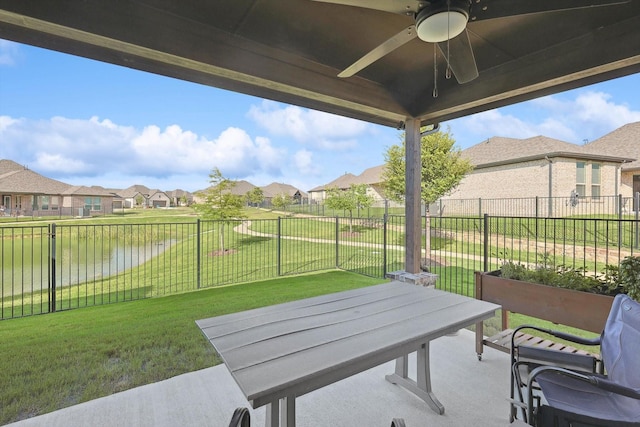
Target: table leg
(421, 387)
(281, 412)
(288, 408)
(273, 414)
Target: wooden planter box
(581, 310)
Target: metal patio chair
(574, 390)
(240, 418)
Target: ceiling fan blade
(402, 7)
(460, 57)
(490, 9)
(403, 37)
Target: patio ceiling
(292, 50)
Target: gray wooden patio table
(279, 352)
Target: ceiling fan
(444, 22)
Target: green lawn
(61, 359)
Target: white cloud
(498, 124)
(574, 117)
(314, 128)
(303, 162)
(9, 52)
(67, 149)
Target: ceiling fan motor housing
(441, 21)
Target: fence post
(537, 206)
(278, 248)
(337, 241)
(619, 221)
(52, 240)
(480, 206)
(198, 254)
(486, 243)
(385, 218)
(637, 209)
(620, 206)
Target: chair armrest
(240, 418)
(558, 334)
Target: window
(595, 181)
(54, 203)
(44, 203)
(92, 203)
(581, 185)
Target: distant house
(158, 199)
(275, 188)
(180, 197)
(319, 193)
(87, 201)
(135, 196)
(372, 177)
(240, 188)
(24, 192)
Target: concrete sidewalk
(474, 394)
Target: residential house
(275, 188)
(79, 200)
(537, 167)
(372, 177)
(240, 188)
(24, 192)
(135, 196)
(180, 197)
(319, 193)
(158, 199)
(542, 167)
(623, 142)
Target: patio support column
(413, 176)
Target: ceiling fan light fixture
(441, 24)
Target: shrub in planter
(607, 283)
(629, 276)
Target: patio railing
(59, 267)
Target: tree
(255, 196)
(281, 201)
(355, 197)
(219, 203)
(442, 170)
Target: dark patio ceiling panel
(292, 51)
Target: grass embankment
(58, 360)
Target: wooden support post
(413, 176)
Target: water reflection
(83, 262)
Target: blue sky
(89, 123)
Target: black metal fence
(60, 267)
(537, 207)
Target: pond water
(27, 271)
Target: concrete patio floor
(473, 393)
